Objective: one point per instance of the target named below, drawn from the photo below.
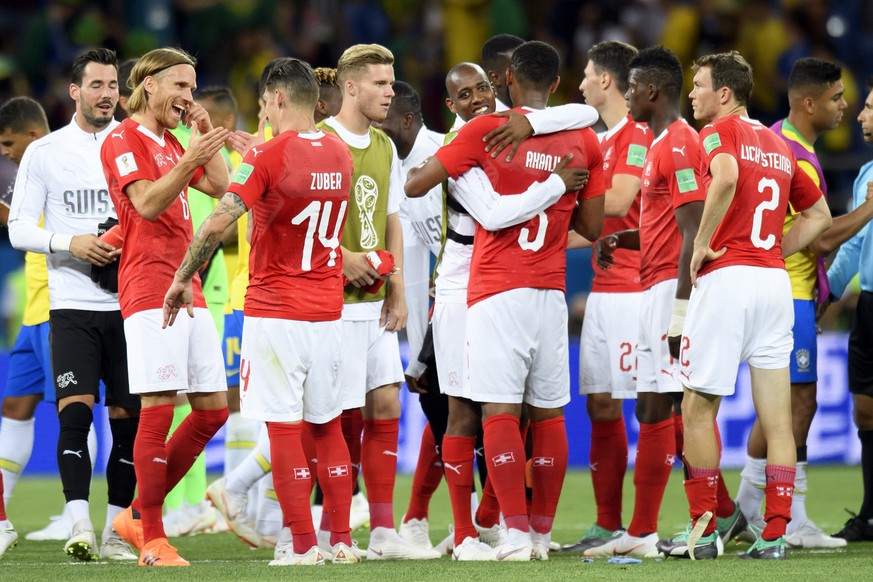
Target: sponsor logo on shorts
(503, 459)
(302, 473)
(166, 372)
(338, 471)
(453, 378)
(543, 461)
(669, 459)
(66, 379)
(803, 360)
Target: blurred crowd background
(234, 39)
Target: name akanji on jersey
(297, 186)
(768, 180)
(671, 178)
(624, 150)
(531, 254)
(153, 250)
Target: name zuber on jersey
(326, 181)
(88, 202)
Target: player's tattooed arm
(228, 211)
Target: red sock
(488, 513)
(335, 476)
(292, 481)
(189, 440)
(458, 464)
(308, 442)
(150, 464)
(353, 425)
(608, 459)
(726, 506)
(548, 469)
(656, 451)
(2, 502)
(379, 463)
(504, 451)
(778, 494)
(701, 492)
(428, 474)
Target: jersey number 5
(767, 242)
(536, 244)
(318, 217)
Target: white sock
(474, 504)
(78, 510)
(16, 445)
(798, 501)
(111, 512)
(241, 436)
(92, 445)
(253, 467)
(751, 492)
(516, 537)
(268, 517)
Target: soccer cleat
(82, 545)
(493, 536)
(540, 545)
(284, 544)
(447, 544)
(509, 552)
(730, 527)
(628, 546)
(766, 550)
(341, 553)
(159, 552)
(705, 546)
(59, 528)
(233, 508)
(472, 550)
(385, 544)
(115, 549)
(595, 536)
(313, 557)
(129, 529)
(8, 538)
(416, 532)
(359, 515)
(856, 529)
(808, 535)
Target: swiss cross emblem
(543, 461)
(302, 473)
(503, 459)
(338, 471)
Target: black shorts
(86, 347)
(861, 347)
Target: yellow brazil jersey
(36, 306)
(801, 266)
(241, 277)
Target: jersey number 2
(767, 242)
(318, 217)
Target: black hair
(535, 63)
(613, 57)
(661, 67)
(496, 48)
(20, 114)
(102, 56)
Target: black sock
(436, 409)
(357, 485)
(319, 494)
(74, 462)
(120, 475)
(866, 437)
(481, 465)
(801, 454)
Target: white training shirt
(61, 177)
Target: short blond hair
(326, 77)
(356, 58)
(149, 65)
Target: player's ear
(809, 105)
(451, 105)
(351, 88)
(554, 86)
(74, 92)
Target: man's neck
(148, 121)
(729, 110)
(87, 127)
(295, 120)
(351, 118)
(530, 98)
(803, 126)
(661, 120)
(613, 111)
(405, 148)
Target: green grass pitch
(222, 557)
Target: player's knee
(19, 407)
(863, 412)
(603, 408)
(75, 417)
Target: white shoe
(233, 508)
(115, 549)
(493, 536)
(472, 550)
(416, 532)
(808, 535)
(385, 544)
(284, 544)
(311, 558)
(540, 546)
(8, 538)
(82, 545)
(59, 528)
(360, 512)
(448, 543)
(342, 554)
(628, 546)
(509, 552)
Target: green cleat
(595, 536)
(766, 550)
(730, 527)
(706, 547)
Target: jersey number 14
(318, 218)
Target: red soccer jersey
(297, 186)
(624, 151)
(751, 230)
(672, 177)
(531, 254)
(153, 250)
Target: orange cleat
(129, 529)
(159, 552)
